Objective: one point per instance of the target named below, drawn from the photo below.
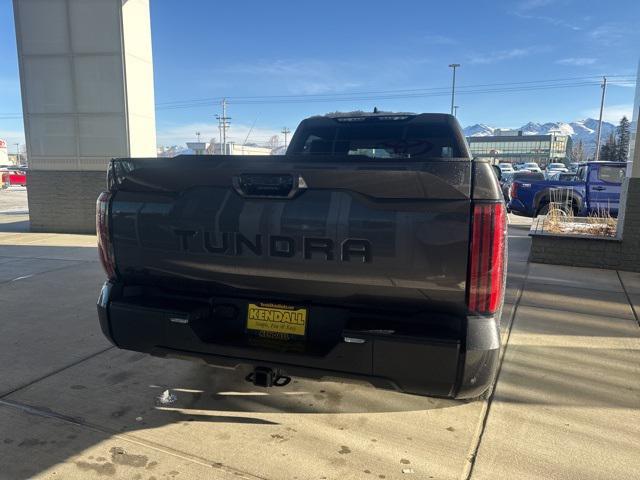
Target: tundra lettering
(278, 245)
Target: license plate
(277, 318)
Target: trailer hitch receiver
(268, 377)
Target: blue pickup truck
(595, 187)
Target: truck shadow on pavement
(103, 404)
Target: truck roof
(443, 118)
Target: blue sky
(211, 49)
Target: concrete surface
(73, 407)
(567, 402)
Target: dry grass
(561, 218)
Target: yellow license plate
(276, 318)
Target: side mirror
(498, 171)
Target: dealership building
(512, 146)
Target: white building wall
(138, 64)
(87, 81)
(86, 75)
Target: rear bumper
(435, 366)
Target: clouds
(527, 5)
(307, 77)
(577, 61)
(526, 9)
(12, 137)
(500, 55)
(179, 134)
(611, 113)
(318, 76)
(611, 34)
(439, 40)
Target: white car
(553, 168)
(506, 167)
(532, 167)
(556, 166)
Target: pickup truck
(373, 250)
(595, 188)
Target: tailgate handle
(268, 185)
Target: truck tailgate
(363, 233)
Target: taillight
(105, 247)
(485, 286)
(513, 191)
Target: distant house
(4, 156)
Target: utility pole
(198, 136)
(286, 132)
(455, 110)
(17, 152)
(604, 91)
(223, 125)
(453, 85)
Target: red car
(14, 177)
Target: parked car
(559, 175)
(10, 178)
(374, 248)
(554, 167)
(595, 187)
(532, 167)
(506, 168)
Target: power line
(267, 100)
(503, 87)
(383, 92)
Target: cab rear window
(611, 174)
(384, 140)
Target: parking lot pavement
(14, 215)
(72, 406)
(519, 221)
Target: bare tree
(274, 142)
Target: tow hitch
(267, 377)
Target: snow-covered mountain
(172, 151)
(584, 130)
(478, 130)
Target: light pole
(453, 85)
(455, 110)
(604, 91)
(17, 153)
